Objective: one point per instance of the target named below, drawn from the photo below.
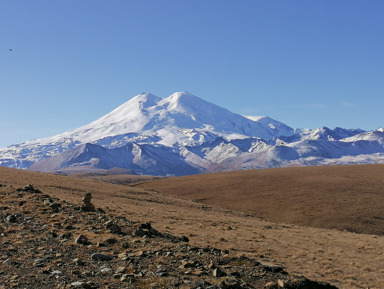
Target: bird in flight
(10, 49)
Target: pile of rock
(29, 188)
(87, 205)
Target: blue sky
(305, 63)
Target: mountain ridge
(184, 134)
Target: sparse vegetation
(346, 198)
(344, 259)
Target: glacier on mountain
(183, 134)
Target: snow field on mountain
(183, 134)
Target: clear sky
(308, 64)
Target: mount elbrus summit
(183, 134)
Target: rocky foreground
(51, 243)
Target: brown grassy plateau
(347, 198)
(344, 259)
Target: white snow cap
(149, 115)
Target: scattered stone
(101, 257)
(211, 266)
(40, 261)
(202, 284)
(55, 207)
(218, 273)
(161, 273)
(11, 218)
(274, 268)
(88, 273)
(100, 210)
(66, 236)
(140, 253)
(187, 264)
(187, 284)
(29, 188)
(110, 241)
(114, 228)
(7, 260)
(80, 284)
(147, 231)
(117, 275)
(56, 272)
(22, 203)
(270, 285)
(140, 232)
(199, 272)
(79, 262)
(121, 270)
(69, 227)
(128, 278)
(106, 271)
(235, 274)
(184, 239)
(81, 239)
(57, 225)
(125, 245)
(231, 283)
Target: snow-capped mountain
(177, 118)
(183, 134)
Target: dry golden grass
(344, 259)
(347, 198)
(121, 179)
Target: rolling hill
(345, 259)
(349, 198)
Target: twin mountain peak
(184, 134)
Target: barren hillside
(349, 198)
(344, 259)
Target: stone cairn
(87, 205)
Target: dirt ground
(344, 259)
